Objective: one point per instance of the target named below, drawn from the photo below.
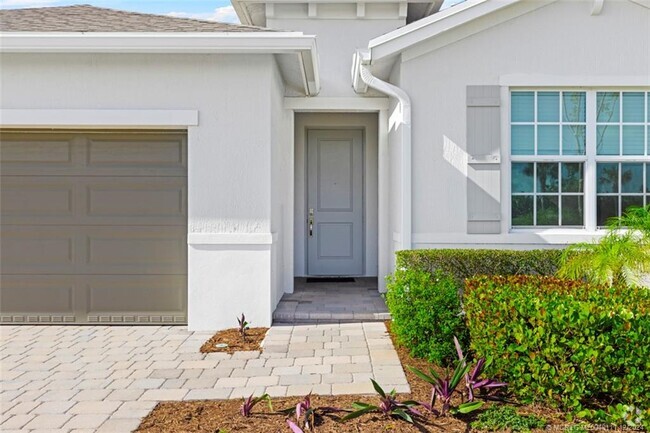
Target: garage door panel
(83, 200)
(40, 198)
(36, 296)
(139, 153)
(136, 250)
(147, 295)
(38, 250)
(93, 154)
(19, 150)
(128, 199)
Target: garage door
(93, 227)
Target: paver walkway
(105, 379)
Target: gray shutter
(484, 159)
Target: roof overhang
(297, 53)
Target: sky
(215, 10)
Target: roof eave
(172, 43)
(393, 43)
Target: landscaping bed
(221, 416)
(232, 337)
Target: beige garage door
(93, 227)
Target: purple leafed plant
(444, 388)
(306, 413)
(473, 381)
(243, 326)
(249, 403)
(388, 405)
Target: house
(168, 170)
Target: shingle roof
(86, 18)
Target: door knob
(311, 222)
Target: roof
(86, 18)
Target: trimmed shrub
(566, 343)
(465, 263)
(426, 314)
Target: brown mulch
(233, 339)
(222, 416)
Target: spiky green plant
(635, 219)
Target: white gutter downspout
(361, 60)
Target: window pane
(607, 206)
(631, 200)
(633, 106)
(607, 176)
(548, 106)
(523, 140)
(573, 106)
(607, 104)
(572, 210)
(572, 177)
(548, 140)
(547, 179)
(522, 107)
(522, 177)
(522, 210)
(647, 178)
(608, 140)
(573, 140)
(633, 140)
(632, 178)
(547, 211)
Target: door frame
(376, 234)
(305, 215)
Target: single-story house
(168, 170)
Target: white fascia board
(17, 118)
(172, 43)
(398, 40)
(200, 42)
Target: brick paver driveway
(105, 379)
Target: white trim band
(231, 238)
(99, 118)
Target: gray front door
(335, 202)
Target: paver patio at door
(106, 379)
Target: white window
(577, 157)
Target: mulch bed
(222, 416)
(232, 338)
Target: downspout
(404, 103)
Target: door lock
(311, 222)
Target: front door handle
(311, 222)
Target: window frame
(589, 160)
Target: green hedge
(465, 263)
(426, 314)
(562, 342)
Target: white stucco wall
(561, 39)
(281, 191)
(337, 41)
(229, 156)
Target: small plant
(243, 326)
(306, 413)
(444, 388)
(249, 403)
(620, 258)
(501, 418)
(389, 406)
(473, 382)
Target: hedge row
(563, 342)
(466, 263)
(424, 293)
